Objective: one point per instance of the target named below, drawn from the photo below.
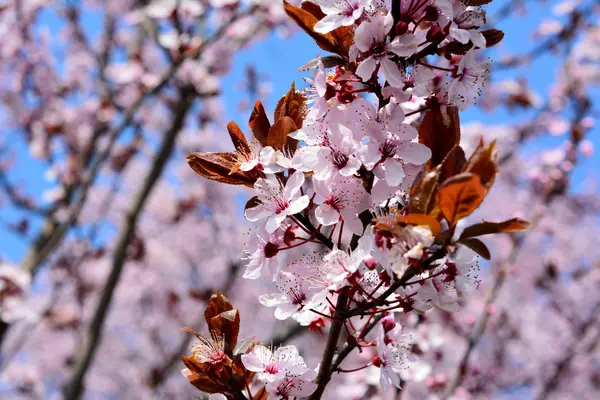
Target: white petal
(366, 68)
(329, 23)
(293, 184)
(414, 153)
(272, 300)
(256, 213)
(394, 173)
(326, 215)
(298, 205)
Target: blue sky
(279, 60)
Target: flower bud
(388, 323)
(435, 34)
(401, 28)
(271, 250)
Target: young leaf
(440, 133)
(459, 196)
(226, 324)
(259, 123)
(199, 379)
(237, 137)
(216, 305)
(483, 163)
(422, 194)
(223, 319)
(218, 167)
(453, 163)
(293, 105)
(487, 228)
(305, 20)
(278, 135)
(477, 246)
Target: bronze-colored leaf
(217, 305)
(492, 37)
(259, 123)
(238, 138)
(459, 196)
(484, 163)
(278, 135)
(226, 324)
(218, 167)
(487, 228)
(453, 163)
(477, 246)
(307, 21)
(200, 380)
(440, 132)
(422, 194)
(293, 105)
(344, 37)
(421, 219)
(313, 9)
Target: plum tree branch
(87, 349)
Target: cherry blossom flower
(277, 202)
(391, 143)
(468, 84)
(371, 42)
(318, 93)
(274, 366)
(343, 197)
(262, 251)
(335, 155)
(339, 13)
(293, 295)
(210, 350)
(392, 357)
(464, 24)
(292, 386)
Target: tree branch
(87, 349)
(335, 330)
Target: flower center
(281, 205)
(272, 368)
(388, 148)
(335, 202)
(339, 159)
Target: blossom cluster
(357, 208)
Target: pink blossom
(371, 42)
(339, 13)
(277, 201)
(274, 366)
(343, 197)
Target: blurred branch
(569, 31)
(52, 233)
(87, 349)
(565, 363)
(581, 106)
